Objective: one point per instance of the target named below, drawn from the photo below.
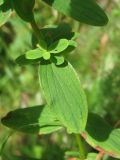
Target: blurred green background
(97, 61)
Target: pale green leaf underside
(86, 11)
(64, 95)
(100, 135)
(38, 120)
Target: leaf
(46, 55)
(36, 120)
(86, 11)
(22, 60)
(58, 46)
(34, 54)
(101, 136)
(24, 9)
(64, 95)
(59, 60)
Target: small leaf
(59, 60)
(64, 95)
(34, 54)
(36, 120)
(46, 55)
(101, 136)
(58, 46)
(86, 11)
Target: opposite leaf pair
(51, 47)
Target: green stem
(81, 147)
(35, 29)
(4, 142)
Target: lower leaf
(38, 120)
(101, 136)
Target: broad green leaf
(101, 136)
(58, 46)
(39, 120)
(64, 95)
(34, 54)
(86, 11)
(24, 9)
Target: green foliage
(51, 49)
(58, 46)
(37, 120)
(61, 84)
(102, 137)
(84, 11)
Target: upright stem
(81, 147)
(35, 29)
(4, 142)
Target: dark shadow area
(98, 128)
(55, 33)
